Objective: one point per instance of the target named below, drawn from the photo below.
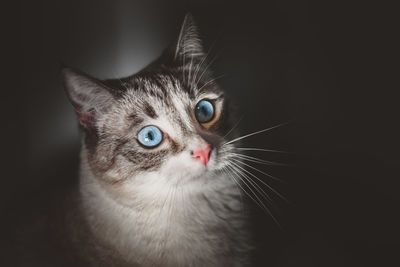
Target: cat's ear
(188, 45)
(89, 97)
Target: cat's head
(165, 125)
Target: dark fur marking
(176, 148)
(179, 121)
(108, 155)
(135, 119)
(159, 82)
(149, 110)
(190, 111)
(149, 161)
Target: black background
(328, 67)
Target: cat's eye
(204, 111)
(150, 136)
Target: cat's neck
(159, 229)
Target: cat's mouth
(190, 165)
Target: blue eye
(204, 111)
(150, 136)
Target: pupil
(150, 136)
(204, 110)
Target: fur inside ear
(89, 97)
(189, 44)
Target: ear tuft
(189, 44)
(89, 97)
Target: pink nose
(203, 155)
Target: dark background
(328, 67)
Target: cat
(155, 187)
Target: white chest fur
(176, 229)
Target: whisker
(251, 160)
(255, 185)
(236, 125)
(190, 70)
(259, 202)
(238, 183)
(262, 149)
(210, 81)
(272, 189)
(183, 63)
(227, 172)
(198, 67)
(260, 171)
(257, 160)
(205, 70)
(258, 132)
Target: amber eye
(204, 111)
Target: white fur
(182, 214)
(165, 223)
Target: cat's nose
(202, 155)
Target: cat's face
(164, 126)
(163, 129)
